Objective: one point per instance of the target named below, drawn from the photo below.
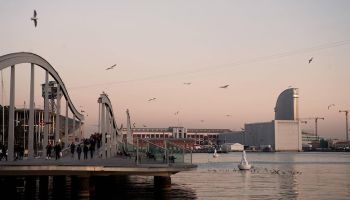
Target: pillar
(11, 131)
(162, 181)
(81, 187)
(66, 126)
(58, 113)
(46, 112)
(30, 187)
(73, 131)
(99, 117)
(43, 187)
(80, 134)
(59, 186)
(103, 132)
(107, 131)
(31, 116)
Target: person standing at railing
(72, 149)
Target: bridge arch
(107, 126)
(13, 59)
(26, 57)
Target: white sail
(244, 165)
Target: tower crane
(312, 118)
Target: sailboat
(215, 155)
(244, 165)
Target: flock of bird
(35, 20)
(260, 171)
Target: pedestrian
(79, 151)
(57, 150)
(86, 150)
(48, 151)
(72, 149)
(92, 149)
(4, 152)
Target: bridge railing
(147, 152)
(150, 153)
(178, 153)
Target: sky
(258, 48)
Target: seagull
(152, 99)
(111, 67)
(225, 86)
(188, 83)
(330, 106)
(310, 60)
(34, 18)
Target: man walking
(79, 151)
(72, 149)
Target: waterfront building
(281, 134)
(21, 122)
(177, 134)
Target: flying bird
(228, 115)
(144, 125)
(176, 113)
(134, 124)
(330, 106)
(152, 99)
(35, 19)
(310, 60)
(188, 83)
(111, 67)
(202, 120)
(225, 86)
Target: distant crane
(312, 118)
(346, 123)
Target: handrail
(152, 143)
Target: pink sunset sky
(258, 48)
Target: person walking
(86, 150)
(72, 149)
(79, 151)
(48, 150)
(92, 148)
(57, 150)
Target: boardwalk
(69, 166)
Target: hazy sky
(259, 48)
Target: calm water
(301, 176)
(323, 176)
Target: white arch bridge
(115, 156)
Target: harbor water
(281, 175)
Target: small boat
(244, 165)
(215, 155)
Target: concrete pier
(161, 182)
